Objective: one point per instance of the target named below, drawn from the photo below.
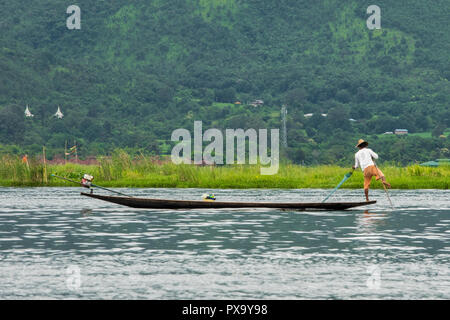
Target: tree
(343, 96)
(296, 97)
(438, 130)
(226, 95)
(164, 94)
(12, 125)
(338, 117)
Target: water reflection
(368, 222)
(86, 212)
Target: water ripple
(125, 253)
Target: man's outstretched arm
(356, 165)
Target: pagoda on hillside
(28, 114)
(59, 114)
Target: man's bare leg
(366, 192)
(387, 184)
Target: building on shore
(401, 132)
(257, 103)
(436, 163)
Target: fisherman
(25, 161)
(87, 181)
(364, 160)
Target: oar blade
(348, 175)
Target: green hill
(138, 70)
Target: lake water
(56, 244)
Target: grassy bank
(122, 171)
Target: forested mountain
(137, 70)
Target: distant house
(237, 102)
(430, 164)
(388, 132)
(309, 115)
(437, 163)
(257, 103)
(401, 131)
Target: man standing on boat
(364, 160)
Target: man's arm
(373, 154)
(356, 163)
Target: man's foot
(387, 184)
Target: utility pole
(283, 126)
(45, 166)
(76, 152)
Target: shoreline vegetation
(121, 170)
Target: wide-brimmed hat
(361, 142)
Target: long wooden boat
(192, 204)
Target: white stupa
(28, 114)
(59, 114)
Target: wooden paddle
(347, 175)
(93, 185)
(385, 189)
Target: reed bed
(122, 170)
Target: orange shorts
(370, 172)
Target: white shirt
(363, 158)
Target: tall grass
(15, 172)
(121, 170)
